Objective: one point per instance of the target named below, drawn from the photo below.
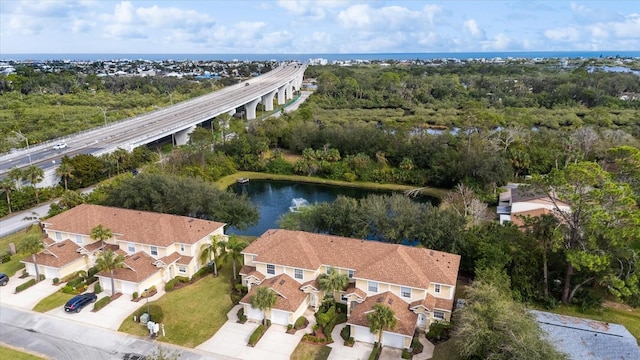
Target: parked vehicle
(4, 279)
(78, 302)
(133, 356)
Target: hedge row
(26, 285)
(101, 303)
(375, 353)
(257, 334)
(300, 322)
(242, 318)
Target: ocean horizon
(303, 57)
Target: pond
(274, 198)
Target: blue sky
(325, 26)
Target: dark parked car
(78, 302)
(132, 356)
(4, 279)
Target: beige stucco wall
(446, 291)
(300, 311)
(79, 264)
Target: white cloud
(388, 18)
(500, 42)
(471, 27)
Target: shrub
(6, 257)
(300, 323)
(406, 354)
(350, 341)
(341, 308)
(182, 279)
(257, 334)
(97, 289)
(329, 328)
(345, 333)
(56, 281)
(242, 318)
(324, 318)
(41, 277)
(92, 271)
(26, 285)
(82, 274)
(439, 331)
(153, 288)
(135, 295)
(289, 327)
(155, 313)
(73, 275)
(101, 303)
(169, 285)
(75, 282)
(91, 280)
(67, 289)
(375, 353)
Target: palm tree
(101, 233)
(108, 260)
(32, 244)
(65, 171)
(213, 250)
(233, 251)
(333, 281)
(7, 186)
(263, 299)
(34, 175)
(381, 318)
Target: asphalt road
(62, 339)
(153, 125)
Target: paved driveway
(28, 298)
(359, 351)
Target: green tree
(599, 226)
(109, 261)
(333, 281)
(544, 230)
(7, 186)
(212, 251)
(381, 318)
(66, 171)
(34, 175)
(493, 326)
(31, 245)
(263, 299)
(101, 233)
(233, 250)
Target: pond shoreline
(229, 180)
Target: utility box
(144, 318)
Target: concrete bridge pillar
(281, 99)
(267, 100)
(250, 107)
(289, 91)
(182, 136)
(231, 112)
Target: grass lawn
(629, 318)
(192, 314)
(229, 180)
(10, 353)
(52, 301)
(306, 351)
(14, 265)
(445, 351)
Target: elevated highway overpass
(179, 120)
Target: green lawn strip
(52, 301)
(192, 314)
(630, 319)
(11, 267)
(306, 351)
(229, 180)
(445, 351)
(7, 352)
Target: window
(78, 239)
(58, 235)
(297, 273)
(182, 269)
(182, 247)
(372, 287)
(405, 292)
(271, 269)
(437, 288)
(344, 298)
(154, 250)
(351, 272)
(131, 248)
(438, 315)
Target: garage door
(363, 334)
(31, 269)
(279, 317)
(50, 273)
(105, 284)
(128, 288)
(255, 314)
(392, 340)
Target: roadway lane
(141, 128)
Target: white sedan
(59, 146)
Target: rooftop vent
(61, 245)
(380, 300)
(431, 252)
(136, 258)
(390, 301)
(282, 282)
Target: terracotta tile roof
(48, 241)
(431, 302)
(139, 267)
(251, 271)
(396, 264)
(170, 258)
(133, 225)
(57, 255)
(97, 245)
(289, 294)
(518, 217)
(184, 260)
(352, 289)
(406, 318)
(312, 283)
